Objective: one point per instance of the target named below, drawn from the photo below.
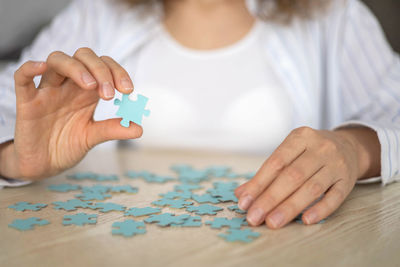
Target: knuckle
(276, 163)
(53, 55)
(338, 194)
(101, 68)
(106, 58)
(315, 189)
(303, 131)
(83, 51)
(328, 146)
(295, 175)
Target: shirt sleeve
(369, 82)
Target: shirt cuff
(5, 182)
(387, 135)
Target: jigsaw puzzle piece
(71, 204)
(92, 196)
(142, 211)
(27, 224)
(187, 187)
(124, 188)
(106, 207)
(218, 171)
(192, 221)
(204, 209)
(82, 176)
(22, 206)
(245, 235)
(106, 177)
(176, 194)
(132, 110)
(128, 228)
(63, 187)
(205, 198)
(234, 223)
(80, 219)
(173, 203)
(166, 219)
(236, 209)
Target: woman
(231, 77)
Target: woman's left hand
(306, 165)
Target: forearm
(8, 161)
(368, 148)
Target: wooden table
(365, 231)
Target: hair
(277, 10)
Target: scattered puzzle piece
(124, 188)
(187, 187)
(192, 221)
(82, 176)
(166, 219)
(27, 224)
(22, 206)
(148, 177)
(245, 235)
(128, 228)
(175, 194)
(204, 209)
(106, 207)
(98, 188)
(104, 177)
(234, 223)
(71, 204)
(80, 219)
(218, 171)
(88, 195)
(63, 187)
(173, 203)
(236, 209)
(189, 175)
(142, 211)
(132, 110)
(205, 198)
(137, 174)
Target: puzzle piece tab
(234, 223)
(92, 196)
(22, 206)
(80, 219)
(71, 204)
(132, 110)
(27, 224)
(106, 207)
(173, 203)
(128, 228)
(205, 198)
(166, 219)
(204, 209)
(192, 221)
(236, 209)
(245, 235)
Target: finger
(287, 182)
(66, 66)
(301, 199)
(333, 198)
(23, 77)
(102, 131)
(99, 70)
(122, 81)
(291, 148)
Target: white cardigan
(338, 68)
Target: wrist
(8, 161)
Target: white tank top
(224, 99)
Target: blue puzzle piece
(245, 235)
(173, 203)
(98, 188)
(236, 209)
(27, 224)
(225, 186)
(166, 219)
(175, 194)
(21, 206)
(204, 209)
(63, 187)
(205, 198)
(225, 196)
(106, 207)
(148, 177)
(192, 221)
(82, 176)
(142, 211)
(187, 174)
(132, 110)
(92, 196)
(71, 204)
(124, 188)
(128, 228)
(218, 171)
(106, 177)
(138, 174)
(187, 187)
(80, 219)
(234, 223)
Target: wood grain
(365, 231)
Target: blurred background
(21, 20)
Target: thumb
(111, 129)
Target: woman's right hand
(54, 125)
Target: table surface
(364, 231)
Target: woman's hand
(306, 165)
(54, 126)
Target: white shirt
(337, 69)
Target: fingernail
(88, 79)
(245, 202)
(276, 219)
(127, 84)
(255, 216)
(38, 64)
(310, 217)
(108, 90)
